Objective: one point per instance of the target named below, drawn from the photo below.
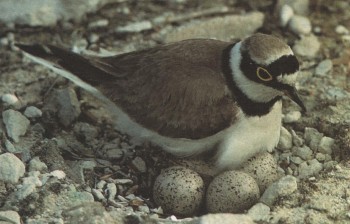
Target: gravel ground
(61, 160)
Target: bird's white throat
(254, 91)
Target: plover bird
(191, 96)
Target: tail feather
(74, 63)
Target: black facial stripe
(287, 64)
(249, 107)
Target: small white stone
(283, 187)
(99, 23)
(285, 142)
(326, 145)
(36, 165)
(259, 212)
(292, 117)
(296, 160)
(285, 15)
(144, 208)
(340, 29)
(312, 137)
(9, 99)
(10, 147)
(135, 27)
(320, 157)
(324, 67)
(59, 174)
(101, 184)
(32, 112)
(300, 25)
(112, 191)
(16, 124)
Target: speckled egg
(179, 191)
(233, 192)
(263, 168)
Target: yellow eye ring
(263, 74)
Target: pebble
(16, 124)
(340, 29)
(59, 174)
(307, 46)
(292, 117)
(260, 212)
(263, 168)
(312, 137)
(139, 164)
(300, 7)
(36, 165)
(65, 102)
(10, 147)
(221, 219)
(144, 209)
(285, 14)
(304, 152)
(123, 181)
(12, 168)
(85, 131)
(179, 191)
(326, 145)
(29, 185)
(98, 195)
(10, 217)
(286, 141)
(221, 27)
(283, 187)
(98, 23)
(300, 25)
(232, 192)
(296, 160)
(308, 170)
(324, 67)
(101, 184)
(9, 99)
(297, 141)
(33, 112)
(135, 27)
(112, 191)
(320, 157)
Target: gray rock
(336, 93)
(36, 165)
(324, 67)
(300, 25)
(312, 168)
(85, 131)
(16, 124)
(65, 103)
(112, 191)
(307, 46)
(296, 160)
(283, 187)
(9, 99)
(222, 28)
(285, 143)
(98, 195)
(12, 168)
(259, 212)
(297, 141)
(10, 217)
(320, 157)
(232, 192)
(312, 138)
(139, 164)
(292, 117)
(32, 112)
(10, 147)
(304, 152)
(326, 145)
(29, 185)
(46, 13)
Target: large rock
(11, 168)
(16, 124)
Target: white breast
(249, 136)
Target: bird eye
(263, 74)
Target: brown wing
(177, 90)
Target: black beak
(292, 94)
